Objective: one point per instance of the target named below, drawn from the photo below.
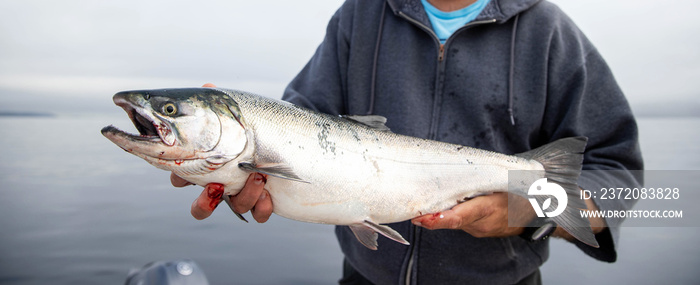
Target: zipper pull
(441, 55)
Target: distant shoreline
(25, 114)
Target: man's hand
(252, 198)
(482, 216)
(487, 216)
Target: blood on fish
(163, 129)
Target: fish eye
(169, 109)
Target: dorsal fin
(373, 121)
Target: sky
(72, 55)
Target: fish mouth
(145, 126)
(151, 127)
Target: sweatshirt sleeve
(585, 100)
(320, 84)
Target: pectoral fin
(277, 170)
(227, 199)
(366, 234)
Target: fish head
(180, 128)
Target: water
(75, 209)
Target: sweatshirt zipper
(440, 58)
(428, 30)
(441, 51)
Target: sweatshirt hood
(500, 10)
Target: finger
(490, 218)
(474, 210)
(456, 218)
(263, 208)
(210, 85)
(249, 195)
(442, 220)
(425, 220)
(177, 181)
(204, 205)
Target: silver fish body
(322, 168)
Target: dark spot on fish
(459, 148)
(355, 134)
(326, 145)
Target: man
(502, 75)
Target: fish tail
(562, 160)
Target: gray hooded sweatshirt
(517, 77)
